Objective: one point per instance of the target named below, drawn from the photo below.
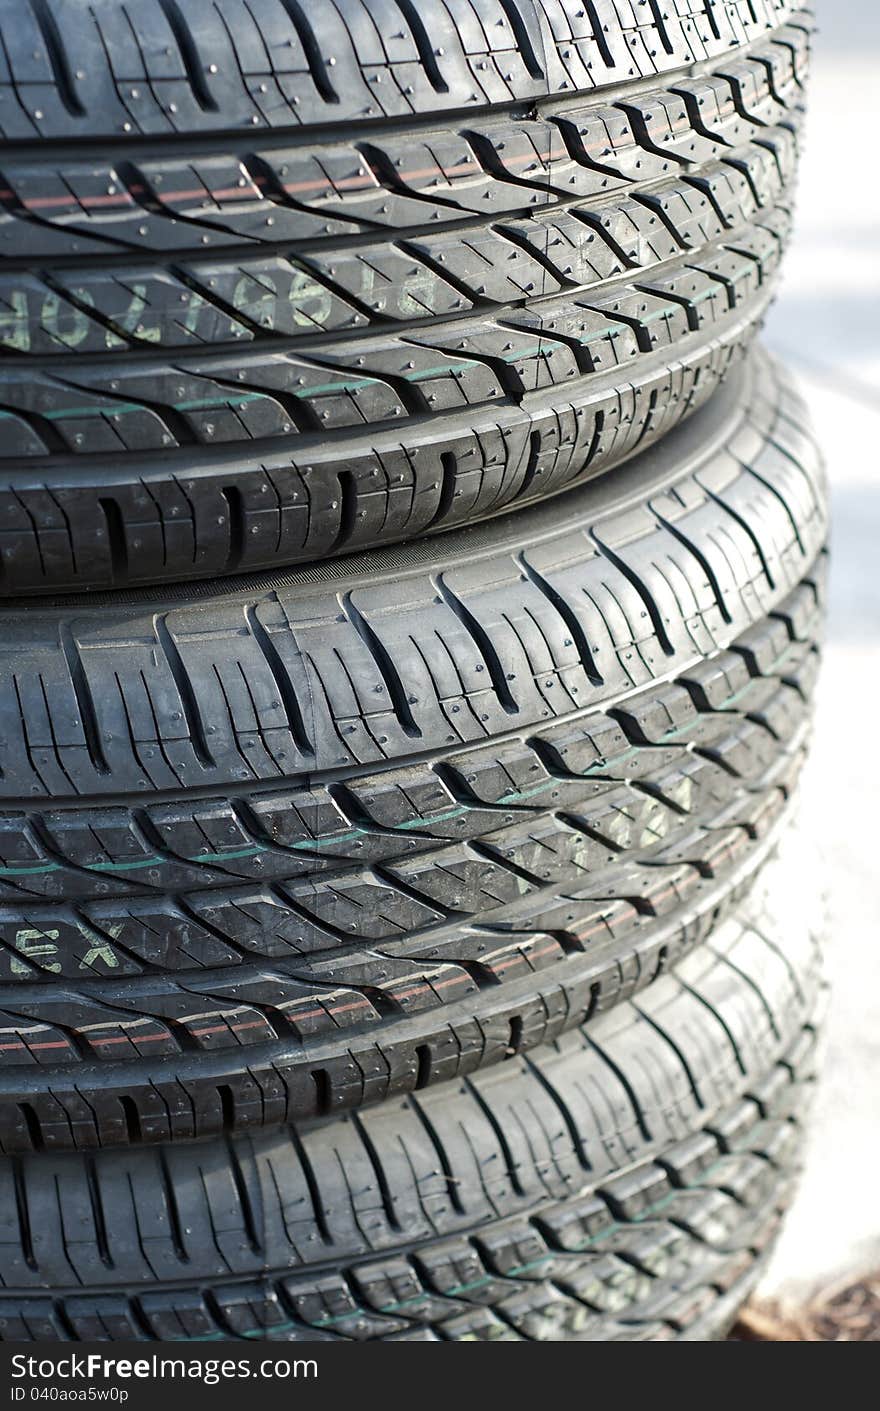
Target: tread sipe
(622, 1183)
(286, 847)
(251, 318)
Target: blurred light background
(826, 325)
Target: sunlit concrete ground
(826, 325)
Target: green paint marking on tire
(122, 408)
(597, 767)
(319, 389)
(331, 1319)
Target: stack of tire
(412, 584)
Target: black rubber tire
(235, 337)
(623, 1183)
(213, 918)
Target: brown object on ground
(850, 1313)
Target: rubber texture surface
(557, 773)
(226, 350)
(623, 1183)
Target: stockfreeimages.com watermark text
(42, 1378)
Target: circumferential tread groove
(57, 57)
(116, 538)
(187, 696)
(448, 472)
(387, 669)
(568, 615)
(98, 1213)
(748, 529)
(311, 49)
(423, 1066)
(661, 27)
(236, 528)
(483, 642)
(321, 1084)
(132, 1119)
(455, 1196)
(523, 38)
(348, 507)
(289, 698)
(710, 16)
(23, 1214)
(32, 1123)
(64, 1321)
(646, 596)
(318, 1213)
(384, 1186)
(558, 1098)
(169, 1191)
(777, 493)
(598, 33)
(423, 44)
(669, 1038)
(625, 1083)
(721, 1021)
(772, 1019)
(84, 699)
(702, 560)
(186, 43)
(245, 1203)
(531, 467)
